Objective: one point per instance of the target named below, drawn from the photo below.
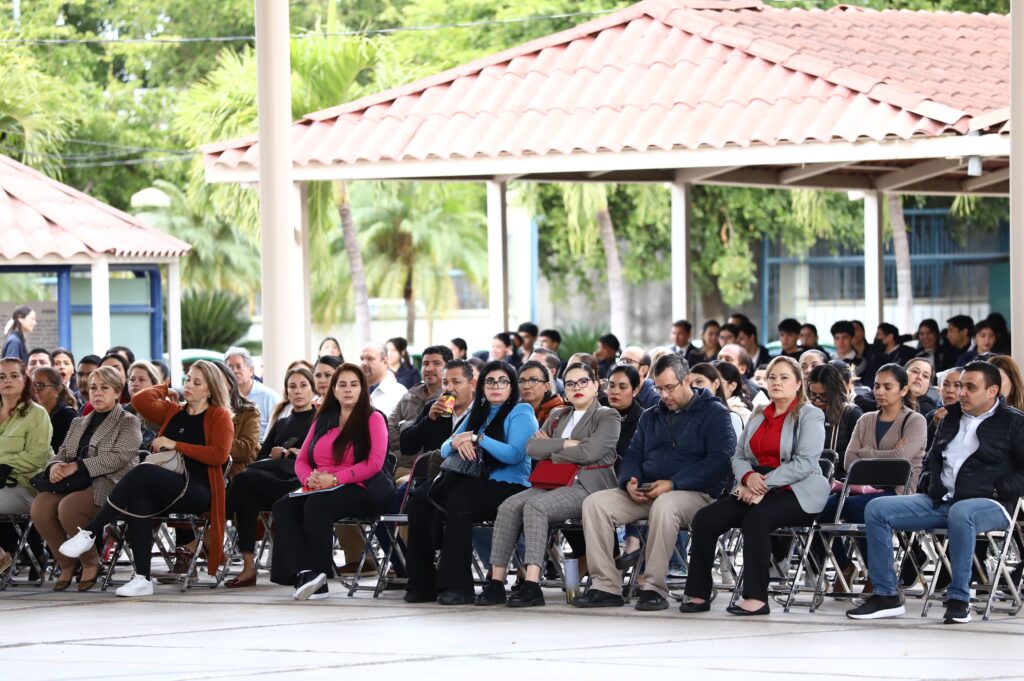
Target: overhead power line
(250, 38)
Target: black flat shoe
(649, 601)
(627, 560)
(689, 608)
(737, 610)
(599, 599)
(528, 596)
(417, 597)
(454, 598)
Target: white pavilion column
(100, 286)
(174, 355)
(301, 226)
(874, 282)
(1017, 179)
(681, 272)
(281, 256)
(497, 256)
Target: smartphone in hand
(645, 487)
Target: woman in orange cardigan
(202, 431)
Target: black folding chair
(872, 472)
(22, 556)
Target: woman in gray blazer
(780, 484)
(583, 433)
(105, 444)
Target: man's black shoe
(596, 598)
(957, 612)
(877, 607)
(650, 600)
(627, 560)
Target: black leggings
(147, 490)
(777, 509)
(250, 493)
(304, 529)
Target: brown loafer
(86, 584)
(237, 583)
(61, 585)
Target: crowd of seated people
(694, 436)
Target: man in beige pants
(677, 462)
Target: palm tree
(588, 217)
(414, 235)
(36, 112)
(325, 73)
(219, 259)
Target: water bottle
(572, 579)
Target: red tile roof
(678, 74)
(40, 217)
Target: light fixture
(974, 166)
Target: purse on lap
(75, 482)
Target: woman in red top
(341, 468)
(780, 484)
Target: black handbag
(75, 482)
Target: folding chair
(265, 545)
(873, 472)
(22, 524)
(999, 581)
(798, 541)
(393, 522)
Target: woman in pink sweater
(341, 468)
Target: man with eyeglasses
(637, 358)
(411, 404)
(677, 463)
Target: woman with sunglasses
(52, 395)
(584, 434)
(497, 429)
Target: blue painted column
(64, 307)
(156, 317)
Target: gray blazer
(113, 449)
(799, 467)
(597, 432)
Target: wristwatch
(474, 438)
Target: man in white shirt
(975, 476)
(265, 398)
(385, 390)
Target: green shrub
(579, 338)
(213, 320)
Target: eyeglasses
(499, 383)
(817, 397)
(582, 383)
(530, 381)
(628, 362)
(663, 389)
(43, 386)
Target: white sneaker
(306, 590)
(79, 544)
(138, 586)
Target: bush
(579, 338)
(213, 320)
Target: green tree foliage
(413, 235)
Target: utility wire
(249, 38)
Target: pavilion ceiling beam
(918, 173)
(692, 175)
(807, 171)
(986, 180)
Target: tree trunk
(410, 307)
(360, 291)
(616, 287)
(904, 282)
